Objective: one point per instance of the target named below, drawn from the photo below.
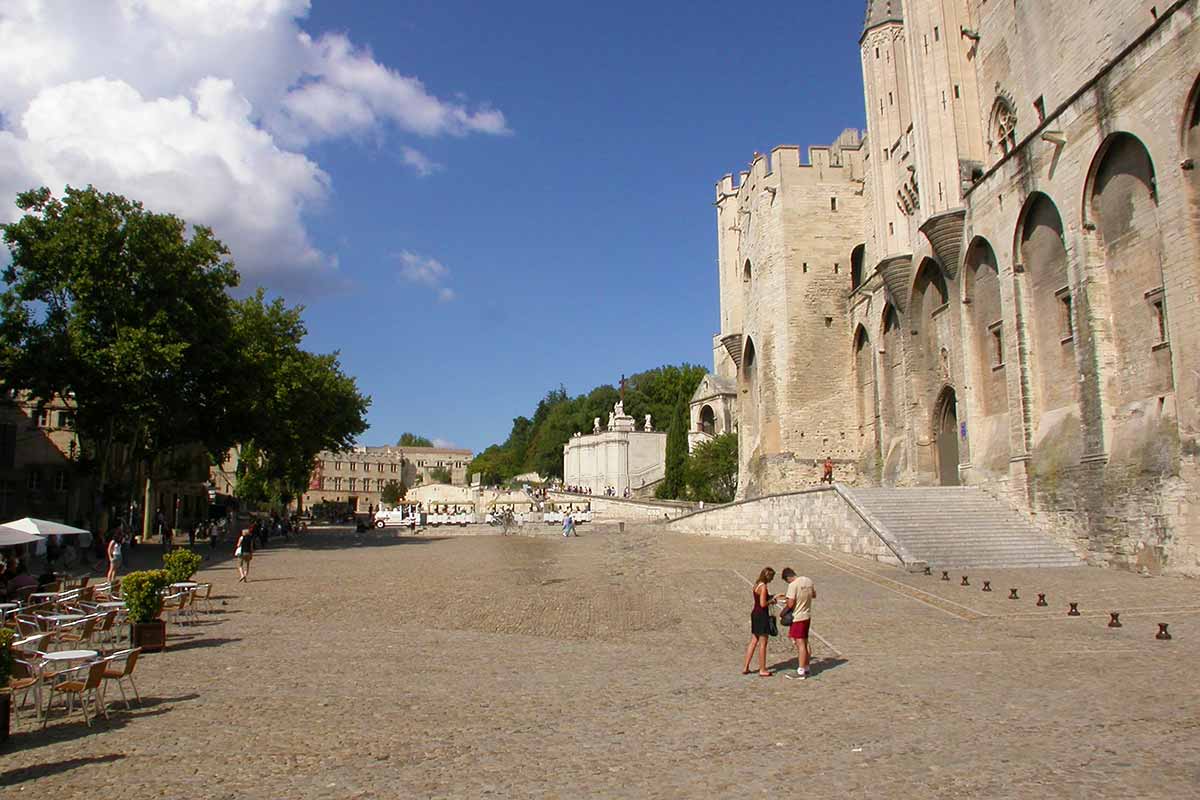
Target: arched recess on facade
(1121, 212)
(946, 436)
(929, 300)
(891, 374)
(987, 336)
(1050, 308)
(856, 266)
(864, 381)
(746, 271)
(748, 396)
(1191, 150)
(708, 420)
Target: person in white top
(798, 605)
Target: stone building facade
(356, 478)
(1021, 226)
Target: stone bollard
(945, 575)
(1012, 594)
(1074, 610)
(965, 582)
(1162, 634)
(928, 571)
(1041, 601)
(987, 586)
(1115, 619)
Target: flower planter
(150, 636)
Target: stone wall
(819, 517)
(618, 508)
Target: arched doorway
(708, 421)
(946, 428)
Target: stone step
(958, 527)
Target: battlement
(840, 162)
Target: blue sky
(479, 262)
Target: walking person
(244, 552)
(760, 623)
(827, 471)
(798, 608)
(114, 553)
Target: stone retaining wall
(617, 508)
(819, 517)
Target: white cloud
(444, 443)
(420, 162)
(204, 108)
(424, 271)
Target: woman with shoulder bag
(760, 623)
(244, 552)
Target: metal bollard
(945, 575)
(1041, 600)
(1074, 610)
(987, 586)
(928, 571)
(1012, 594)
(965, 582)
(1162, 632)
(1115, 619)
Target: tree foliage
(535, 444)
(674, 483)
(712, 469)
(413, 440)
(393, 492)
(125, 315)
(439, 475)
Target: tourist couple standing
(796, 615)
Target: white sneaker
(801, 674)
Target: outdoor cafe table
(60, 619)
(185, 585)
(111, 604)
(69, 655)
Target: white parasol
(10, 537)
(44, 527)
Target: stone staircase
(956, 527)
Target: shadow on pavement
(15, 776)
(815, 667)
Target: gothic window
(1004, 125)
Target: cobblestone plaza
(529, 665)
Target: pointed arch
(1041, 253)
(1121, 205)
(864, 382)
(987, 337)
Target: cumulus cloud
(429, 272)
(446, 443)
(204, 108)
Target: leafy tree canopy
(412, 440)
(712, 469)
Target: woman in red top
(760, 623)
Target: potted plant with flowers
(181, 564)
(142, 593)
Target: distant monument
(621, 457)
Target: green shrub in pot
(6, 639)
(181, 564)
(142, 593)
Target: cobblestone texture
(608, 666)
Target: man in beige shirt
(800, 594)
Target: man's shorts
(799, 629)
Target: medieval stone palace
(995, 285)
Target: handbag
(772, 627)
(785, 618)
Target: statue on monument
(612, 419)
(649, 428)
(596, 425)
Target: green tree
(674, 483)
(120, 313)
(439, 475)
(393, 492)
(294, 403)
(712, 469)
(412, 440)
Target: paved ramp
(956, 527)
